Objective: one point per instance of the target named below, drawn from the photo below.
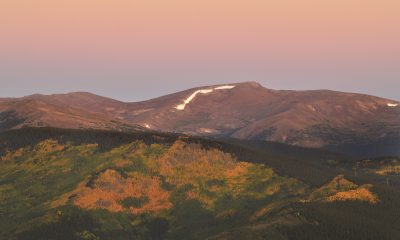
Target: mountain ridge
(313, 118)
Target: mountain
(347, 122)
(249, 111)
(91, 184)
(73, 110)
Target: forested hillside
(72, 184)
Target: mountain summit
(318, 118)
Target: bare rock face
(322, 118)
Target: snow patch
(224, 87)
(392, 104)
(147, 125)
(207, 130)
(201, 91)
(312, 108)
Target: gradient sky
(138, 49)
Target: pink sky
(218, 35)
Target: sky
(134, 50)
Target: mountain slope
(250, 111)
(133, 191)
(340, 121)
(90, 184)
(73, 110)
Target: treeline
(308, 165)
(106, 140)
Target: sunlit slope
(194, 192)
(351, 123)
(85, 184)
